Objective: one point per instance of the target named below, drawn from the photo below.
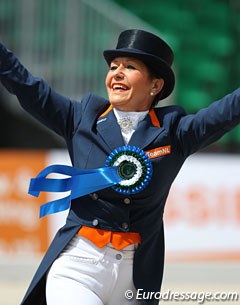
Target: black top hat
(149, 48)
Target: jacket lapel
(109, 129)
(148, 129)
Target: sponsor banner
(21, 230)
(202, 215)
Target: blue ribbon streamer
(80, 183)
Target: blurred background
(62, 41)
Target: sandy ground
(178, 278)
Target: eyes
(129, 67)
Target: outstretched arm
(37, 97)
(196, 131)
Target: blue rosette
(134, 167)
(128, 170)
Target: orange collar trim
(154, 118)
(106, 112)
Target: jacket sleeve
(196, 131)
(52, 109)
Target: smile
(119, 86)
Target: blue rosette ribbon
(134, 167)
(128, 170)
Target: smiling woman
(130, 85)
(113, 239)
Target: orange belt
(101, 238)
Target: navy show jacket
(90, 139)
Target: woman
(113, 241)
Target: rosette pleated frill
(133, 166)
(128, 170)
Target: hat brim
(159, 67)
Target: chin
(117, 102)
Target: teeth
(119, 87)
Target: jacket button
(94, 196)
(118, 256)
(127, 200)
(95, 222)
(125, 225)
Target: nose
(118, 73)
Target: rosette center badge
(134, 167)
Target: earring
(152, 93)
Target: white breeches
(87, 275)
